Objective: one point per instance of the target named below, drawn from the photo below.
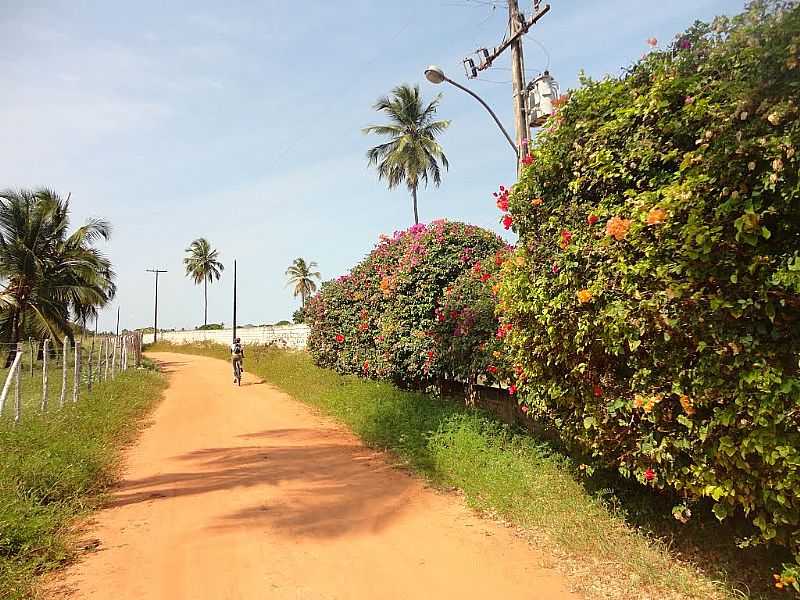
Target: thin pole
(65, 366)
(114, 359)
(45, 352)
(155, 309)
(234, 300)
(107, 344)
(91, 355)
(9, 377)
(118, 308)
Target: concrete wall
(283, 336)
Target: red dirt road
(245, 493)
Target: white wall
(283, 336)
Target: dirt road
(244, 493)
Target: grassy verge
(54, 467)
(604, 548)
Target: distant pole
(118, 319)
(234, 299)
(155, 310)
(45, 352)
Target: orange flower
(386, 285)
(656, 216)
(618, 228)
(537, 201)
(584, 296)
(686, 403)
(638, 401)
(520, 261)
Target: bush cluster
(653, 302)
(381, 320)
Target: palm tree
(302, 278)
(49, 277)
(203, 266)
(412, 155)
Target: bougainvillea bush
(379, 320)
(653, 304)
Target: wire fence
(46, 375)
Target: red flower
(566, 238)
(339, 338)
(527, 160)
(507, 221)
(502, 203)
(503, 330)
(649, 474)
(512, 389)
(365, 366)
(555, 268)
(492, 369)
(486, 277)
(598, 391)
(430, 354)
(592, 219)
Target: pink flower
(512, 389)
(684, 44)
(555, 268)
(525, 409)
(652, 42)
(507, 221)
(688, 100)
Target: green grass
(56, 466)
(593, 533)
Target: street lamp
(436, 76)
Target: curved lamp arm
(491, 112)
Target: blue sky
(241, 122)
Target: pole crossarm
(524, 28)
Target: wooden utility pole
(518, 26)
(155, 315)
(515, 24)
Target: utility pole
(118, 319)
(234, 300)
(155, 313)
(518, 26)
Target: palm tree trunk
(414, 196)
(205, 303)
(12, 349)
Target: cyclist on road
(237, 354)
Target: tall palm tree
(302, 278)
(203, 266)
(48, 276)
(412, 155)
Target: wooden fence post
(114, 359)
(89, 365)
(76, 382)
(64, 367)
(33, 356)
(45, 351)
(105, 366)
(9, 377)
(17, 394)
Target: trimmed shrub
(653, 304)
(378, 320)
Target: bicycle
(237, 372)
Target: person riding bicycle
(237, 354)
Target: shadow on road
(315, 483)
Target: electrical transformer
(542, 92)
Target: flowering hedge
(654, 299)
(379, 320)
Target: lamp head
(434, 74)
